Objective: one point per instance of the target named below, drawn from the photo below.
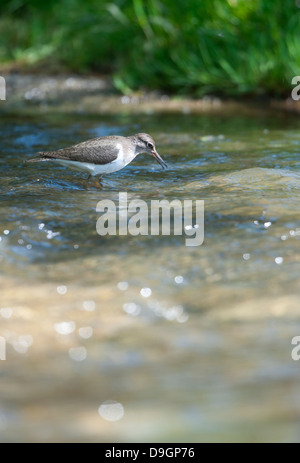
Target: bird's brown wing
(96, 151)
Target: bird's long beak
(159, 159)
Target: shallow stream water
(142, 338)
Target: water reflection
(193, 342)
(111, 411)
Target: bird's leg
(87, 181)
(94, 177)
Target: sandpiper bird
(103, 155)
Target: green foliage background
(227, 47)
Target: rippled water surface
(140, 338)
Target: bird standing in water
(103, 155)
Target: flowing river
(142, 338)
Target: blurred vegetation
(227, 47)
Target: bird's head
(145, 144)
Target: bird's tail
(39, 157)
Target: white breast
(100, 169)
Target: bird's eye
(150, 146)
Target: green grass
(224, 47)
